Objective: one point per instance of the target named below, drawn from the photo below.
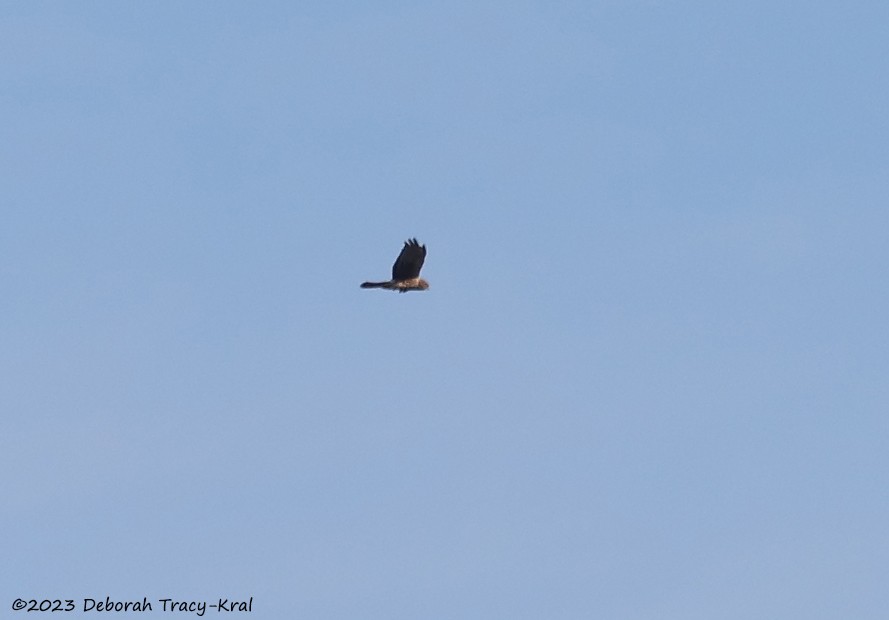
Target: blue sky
(649, 379)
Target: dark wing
(410, 261)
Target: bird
(406, 270)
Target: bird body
(406, 270)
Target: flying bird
(406, 270)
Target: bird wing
(410, 261)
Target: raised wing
(410, 261)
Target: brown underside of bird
(402, 286)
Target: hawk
(406, 270)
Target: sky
(649, 379)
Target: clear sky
(649, 380)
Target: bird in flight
(406, 270)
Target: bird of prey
(406, 270)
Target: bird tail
(374, 284)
